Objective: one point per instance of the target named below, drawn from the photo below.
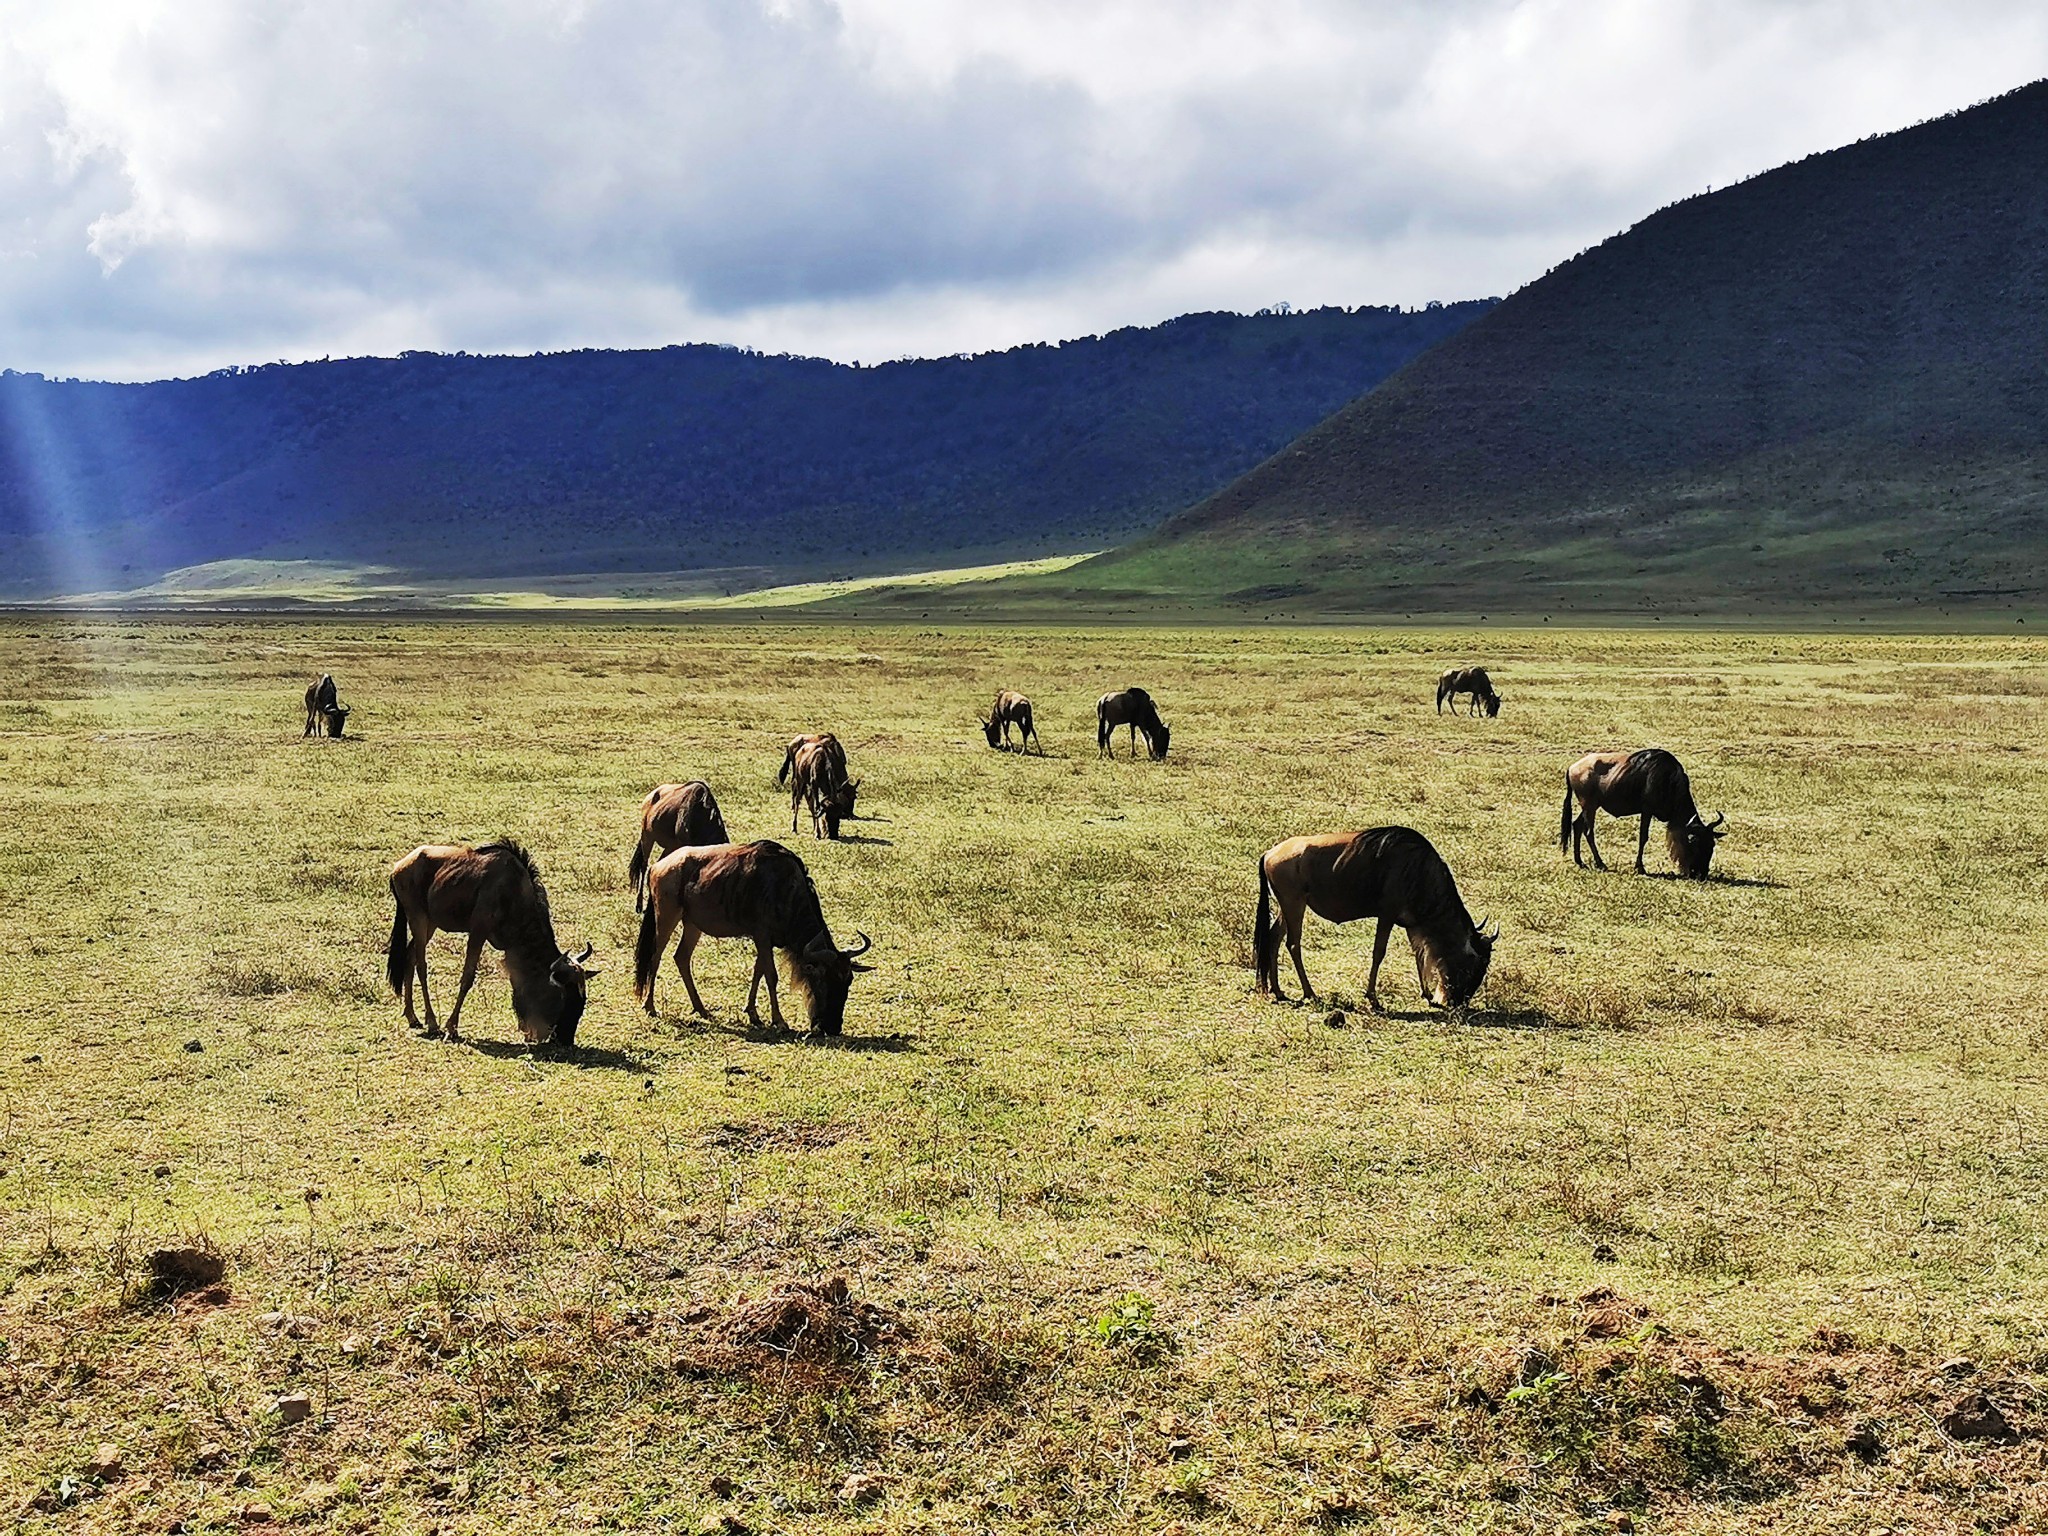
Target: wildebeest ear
(856, 965)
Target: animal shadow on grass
(740, 1027)
(1734, 880)
(873, 842)
(569, 1056)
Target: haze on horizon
(188, 186)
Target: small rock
(105, 1463)
(1179, 1449)
(1958, 1365)
(1863, 1442)
(243, 1479)
(355, 1344)
(593, 1159)
(293, 1407)
(1338, 1019)
(721, 1522)
(33, 1057)
(1621, 1521)
(195, 1046)
(721, 1486)
(208, 1456)
(863, 1487)
(256, 1514)
(1603, 1253)
(1973, 1416)
(160, 1171)
(172, 1270)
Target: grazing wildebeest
(1391, 873)
(1467, 680)
(759, 891)
(1650, 784)
(1132, 707)
(336, 718)
(815, 767)
(673, 816)
(1011, 708)
(494, 895)
(321, 701)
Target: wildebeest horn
(585, 955)
(862, 947)
(1480, 929)
(1719, 817)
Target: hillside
(1825, 386)
(686, 458)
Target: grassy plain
(1718, 1180)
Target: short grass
(1708, 1216)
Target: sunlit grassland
(1804, 1095)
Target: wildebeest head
(337, 718)
(843, 796)
(1492, 705)
(1451, 968)
(1155, 740)
(992, 728)
(825, 974)
(1692, 845)
(549, 1008)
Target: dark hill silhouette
(1826, 384)
(684, 458)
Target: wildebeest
(1467, 680)
(817, 779)
(836, 793)
(1011, 708)
(759, 891)
(1650, 784)
(322, 703)
(1389, 873)
(494, 895)
(1132, 707)
(673, 816)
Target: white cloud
(189, 184)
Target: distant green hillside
(486, 471)
(1825, 389)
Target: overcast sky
(192, 183)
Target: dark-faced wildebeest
(759, 891)
(322, 703)
(829, 769)
(1011, 708)
(817, 779)
(671, 817)
(1471, 681)
(494, 895)
(1650, 784)
(1390, 873)
(1132, 707)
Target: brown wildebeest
(494, 895)
(322, 702)
(816, 770)
(1467, 680)
(1011, 708)
(674, 816)
(1650, 784)
(1132, 707)
(1391, 873)
(759, 891)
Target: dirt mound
(779, 1136)
(815, 1325)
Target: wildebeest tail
(396, 953)
(646, 952)
(788, 759)
(1564, 821)
(636, 873)
(1265, 937)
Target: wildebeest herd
(689, 878)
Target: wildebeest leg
(683, 952)
(1379, 953)
(1292, 917)
(420, 934)
(1592, 842)
(476, 951)
(764, 970)
(1134, 741)
(1642, 842)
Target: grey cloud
(233, 180)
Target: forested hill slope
(1827, 383)
(683, 458)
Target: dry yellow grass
(1127, 1247)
